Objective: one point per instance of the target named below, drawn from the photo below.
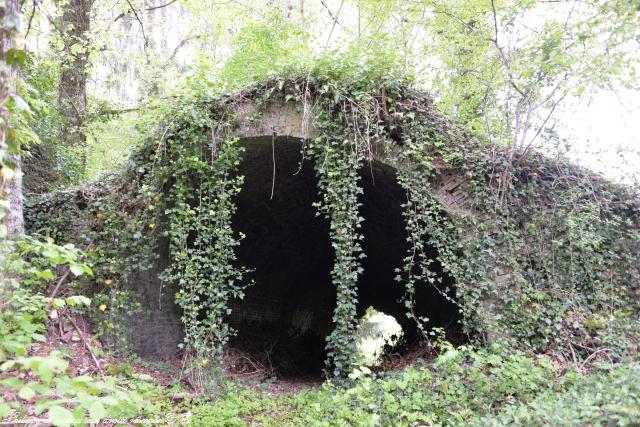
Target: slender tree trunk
(15, 217)
(72, 88)
(12, 223)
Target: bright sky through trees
(447, 46)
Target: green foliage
(23, 325)
(35, 260)
(242, 406)
(263, 49)
(273, 47)
(462, 387)
(88, 397)
(24, 107)
(48, 164)
(366, 62)
(110, 142)
(114, 265)
(461, 384)
(23, 319)
(546, 265)
(544, 255)
(44, 380)
(426, 226)
(564, 50)
(611, 396)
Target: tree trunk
(10, 172)
(72, 87)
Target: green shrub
(609, 397)
(44, 381)
(463, 386)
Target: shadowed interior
(286, 315)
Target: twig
(333, 27)
(149, 9)
(161, 6)
(541, 128)
(49, 18)
(33, 12)
(575, 360)
(60, 328)
(592, 355)
(85, 342)
(161, 144)
(55, 290)
(183, 43)
(144, 36)
(114, 111)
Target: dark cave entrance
(286, 315)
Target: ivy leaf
(11, 382)
(97, 411)
(38, 337)
(75, 300)
(45, 275)
(16, 57)
(45, 370)
(60, 416)
(26, 393)
(57, 303)
(4, 408)
(7, 365)
(77, 270)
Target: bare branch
(503, 56)
(85, 342)
(149, 9)
(461, 22)
(495, 23)
(182, 44)
(49, 18)
(144, 36)
(33, 12)
(543, 126)
(335, 21)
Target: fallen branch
(575, 360)
(592, 355)
(114, 111)
(85, 342)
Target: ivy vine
(199, 205)
(337, 163)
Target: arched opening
(286, 315)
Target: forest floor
(456, 386)
(74, 336)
